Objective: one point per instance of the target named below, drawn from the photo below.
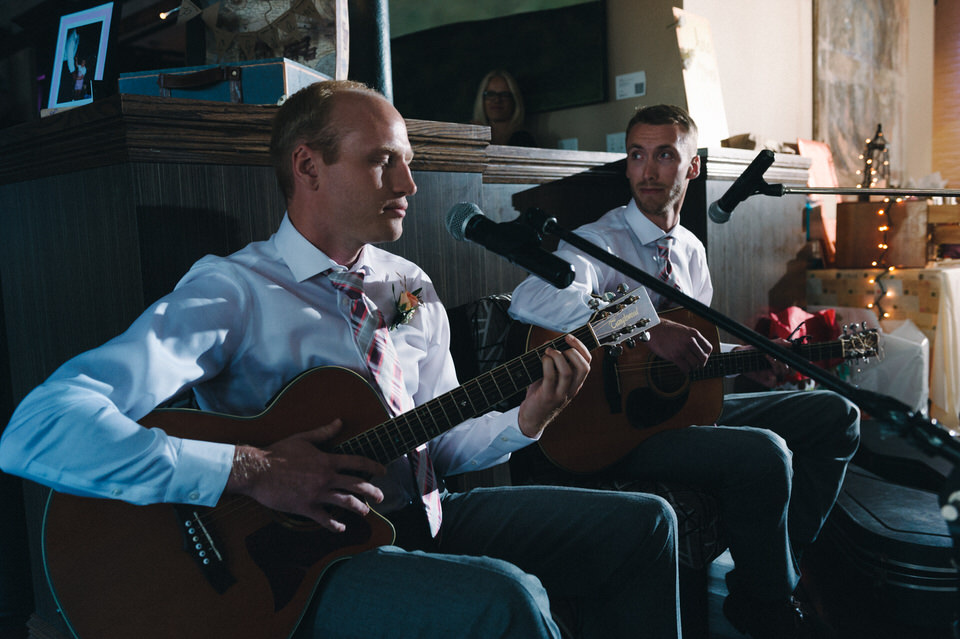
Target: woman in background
(499, 105)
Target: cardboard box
(859, 236)
(251, 82)
(912, 293)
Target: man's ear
(693, 171)
(304, 166)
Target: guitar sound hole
(666, 379)
(665, 396)
(646, 409)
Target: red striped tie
(373, 340)
(666, 268)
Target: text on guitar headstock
(625, 319)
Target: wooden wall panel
(68, 254)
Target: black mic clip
(538, 220)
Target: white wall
(764, 55)
(765, 59)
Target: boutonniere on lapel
(407, 304)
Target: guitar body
(120, 571)
(239, 570)
(627, 399)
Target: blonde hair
(666, 114)
(304, 117)
(480, 115)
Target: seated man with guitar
(776, 460)
(321, 367)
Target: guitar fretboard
(395, 437)
(722, 364)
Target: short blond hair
(666, 114)
(305, 118)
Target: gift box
(251, 82)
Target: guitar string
(504, 376)
(748, 360)
(239, 505)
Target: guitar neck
(394, 438)
(723, 364)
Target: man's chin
(651, 206)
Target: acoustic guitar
(630, 397)
(119, 571)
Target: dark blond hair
(304, 118)
(666, 114)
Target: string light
(876, 168)
(880, 292)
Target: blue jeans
(505, 554)
(776, 465)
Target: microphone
(749, 182)
(519, 243)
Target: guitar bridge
(199, 543)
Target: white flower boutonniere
(407, 304)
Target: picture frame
(80, 56)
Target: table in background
(926, 296)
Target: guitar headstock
(859, 342)
(628, 317)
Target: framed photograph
(80, 56)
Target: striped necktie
(666, 273)
(373, 339)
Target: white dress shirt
(236, 330)
(628, 234)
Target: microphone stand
(779, 190)
(927, 433)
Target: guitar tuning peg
(622, 289)
(630, 342)
(615, 351)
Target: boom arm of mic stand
(887, 408)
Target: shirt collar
(304, 259)
(645, 230)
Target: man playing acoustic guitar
(777, 460)
(235, 332)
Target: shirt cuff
(201, 473)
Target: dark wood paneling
(137, 128)
(70, 267)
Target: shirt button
(504, 438)
(116, 492)
(194, 496)
(474, 462)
